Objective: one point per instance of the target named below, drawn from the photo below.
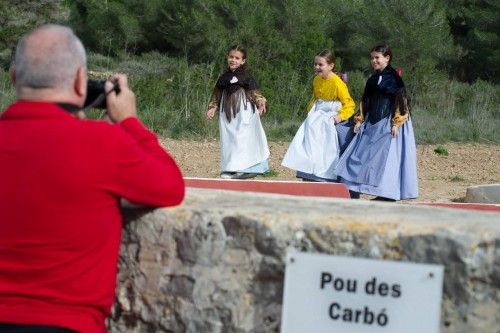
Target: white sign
(326, 293)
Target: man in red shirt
(61, 180)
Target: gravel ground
(441, 178)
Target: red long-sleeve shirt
(60, 224)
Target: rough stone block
(217, 263)
(483, 194)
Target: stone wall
(216, 263)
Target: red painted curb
(470, 206)
(316, 189)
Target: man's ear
(80, 85)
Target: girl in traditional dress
(314, 151)
(243, 144)
(381, 159)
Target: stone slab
(483, 194)
(217, 262)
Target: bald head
(48, 58)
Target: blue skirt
(376, 163)
(345, 134)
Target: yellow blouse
(333, 89)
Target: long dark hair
(239, 48)
(401, 100)
(384, 49)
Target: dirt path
(441, 178)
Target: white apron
(243, 141)
(315, 147)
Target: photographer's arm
(145, 173)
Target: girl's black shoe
(354, 194)
(383, 199)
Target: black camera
(96, 95)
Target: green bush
(440, 150)
(457, 178)
(173, 95)
(7, 93)
(455, 111)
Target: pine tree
(108, 27)
(475, 25)
(417, 31)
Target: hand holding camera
(121, 105)
(113, 95)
